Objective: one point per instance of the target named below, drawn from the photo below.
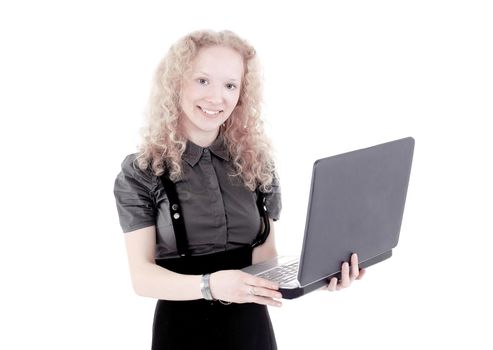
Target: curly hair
(163, 143)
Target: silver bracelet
(205, 287)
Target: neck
(203, 139)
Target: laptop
(356, 205)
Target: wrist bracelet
(205, 287)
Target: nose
(214, 95)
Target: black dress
(205, 323)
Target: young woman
(199, 200)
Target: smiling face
(210, 93)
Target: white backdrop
(74, 80)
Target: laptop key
(282, 273)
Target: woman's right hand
(240, 287)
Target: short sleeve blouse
(220, 212)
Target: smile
(209, 111)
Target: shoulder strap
(176, 216)
(262, 236)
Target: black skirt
(202, 324)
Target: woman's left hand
(348, 275)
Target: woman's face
(210, 92)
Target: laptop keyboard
(282, 273)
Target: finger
(345, 279)
(261, 282)
(332, 284)
(265, 301)
(354, 267)
(361, 274)
(264, 292)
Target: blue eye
(230, 86)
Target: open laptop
(356, 206)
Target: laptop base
(293, 293)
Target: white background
(74, 80)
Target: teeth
(209, 112)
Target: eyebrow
(204, 73)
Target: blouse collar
(193, 152)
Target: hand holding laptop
(348, 275)
(240, 287)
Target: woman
(191, 200)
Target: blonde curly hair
(163, 143)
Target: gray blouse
(220, 213)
